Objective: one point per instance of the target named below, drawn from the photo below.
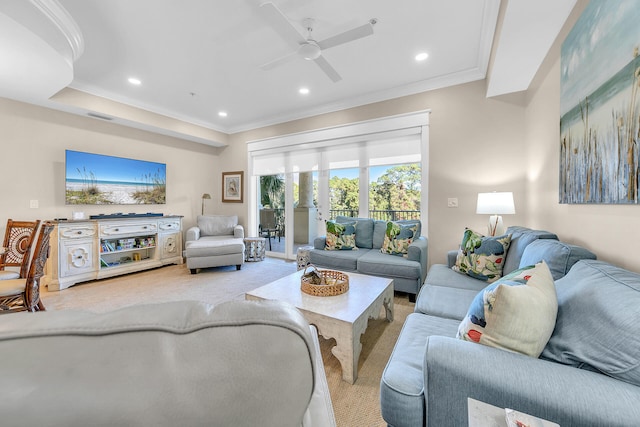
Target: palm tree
(272, 191)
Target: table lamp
(495, 204)
(205, 196)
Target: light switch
(452, 202)
(33, 204)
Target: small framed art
(232, 187)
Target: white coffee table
(342, 317)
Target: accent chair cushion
(516, 313)
(217, 225)
(598, 318)
(482, 257)
(398, 237)
(341, 236)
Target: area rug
(354, 405)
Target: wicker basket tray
(331, 282)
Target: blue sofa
(408, 273)
(587, 375)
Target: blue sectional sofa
(408, 273)
(587, 375)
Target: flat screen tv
(96, 179)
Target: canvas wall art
(599, 114)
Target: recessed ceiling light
(134, 81)
(222, 113)
(303, 91)
(422, 56)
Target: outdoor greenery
(398, 189)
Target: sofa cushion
(598, 318)
(216, 225)
(337, 260)
(516, 313)
(442, 275)
(443, 301)
(398, 237)
(520, 239)
(341, 237)
(376, 263)
(402, 383)
(214, 245)
(558, 255)
(482, 257)
(364, 230)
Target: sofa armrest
(418, 252)
(451, 258)
(238, 231)
(319, 242)
(193, 233)
(455, 370)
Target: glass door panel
(271, 211)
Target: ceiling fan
(307, 47)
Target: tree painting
(600, 120)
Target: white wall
(32, 147)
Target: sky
(109, 168)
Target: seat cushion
(214, 245)
(444, 301)
(12, 287)
(442, 275)
(376, 263)
(338, 260)
(402, 383)
(598, 318)
(8, 274)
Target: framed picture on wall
(232, 187)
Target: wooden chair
(18, 239)
(23, 294)
(268, 225)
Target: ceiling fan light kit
(309, 49)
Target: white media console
(86, 250)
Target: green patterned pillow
(397, 238)
(482, 257)
(341, 236)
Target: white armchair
(217, 240)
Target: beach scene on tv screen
(95, 179)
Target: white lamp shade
(495, 203)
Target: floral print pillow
(482, 257)
(341, 236)
(397, 238)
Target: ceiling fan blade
(280, 24)
(328, 69)
(347, 36)
(279, 61)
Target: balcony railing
(386, 215)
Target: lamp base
(495, 227)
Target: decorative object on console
(205, 196)
(482, 257)
(495, 204)
(232, 187)
(517, 313)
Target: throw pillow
(482, 257)
(341, 236)
(516, 313)
(397, 238)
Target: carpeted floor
(354, 405)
